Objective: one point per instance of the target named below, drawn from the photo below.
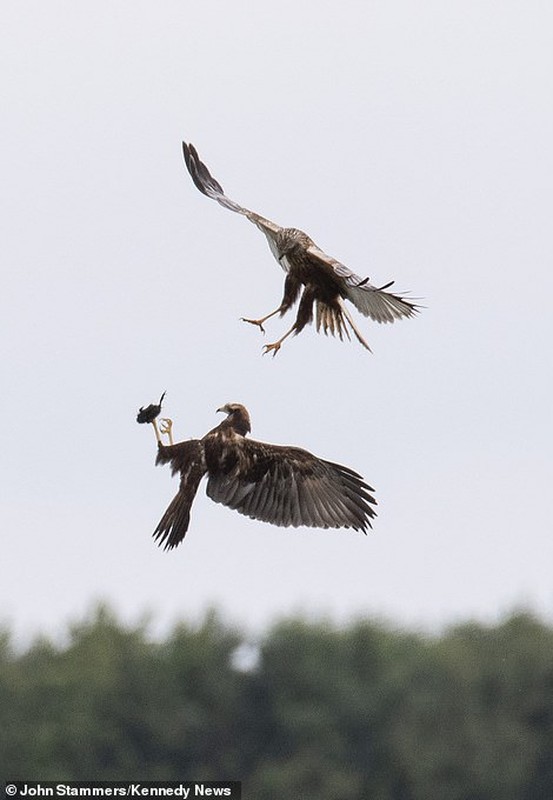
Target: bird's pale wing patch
(372, 301)
(270, 229)
(379, 305)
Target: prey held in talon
(327, 284)
(149, 415)
(282, 485)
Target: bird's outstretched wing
(371, 301)
(206, 183)
(289, 486)
(186, 458)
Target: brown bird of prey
(281, 485)
(327, 283)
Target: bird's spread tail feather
(333, 320)
(174, 523)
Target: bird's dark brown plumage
(327, 283)
(285, 486)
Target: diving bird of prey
(285, 486)
(327, 283)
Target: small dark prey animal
(150, 413)
(327, 283)
(285, 486)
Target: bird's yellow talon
(274, 347)
(254, 322)
(166, 427)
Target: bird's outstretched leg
(156, 431)
(303, 318)
(259, 322)
(166, 427)
(292, 287)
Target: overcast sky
(412, 141)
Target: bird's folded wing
(289, 486)
(180, 455)
(371, 301)
(186, 458)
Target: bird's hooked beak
(225, 409)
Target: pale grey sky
(412, 141)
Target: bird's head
(238, 417)
(290, 239)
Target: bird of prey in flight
(327, 283)
(285, 486)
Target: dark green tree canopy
(326, 713)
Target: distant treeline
(362, 712)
